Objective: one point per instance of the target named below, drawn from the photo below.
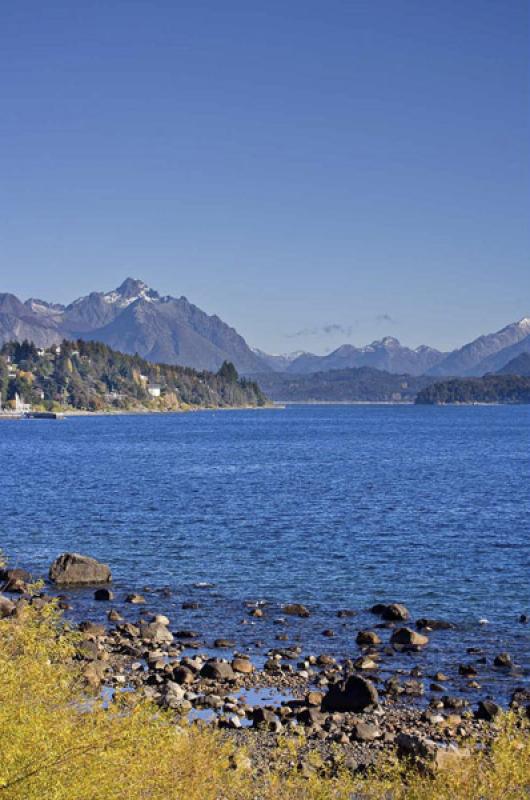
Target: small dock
(44, 415)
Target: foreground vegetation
(91, 376)
(59, 744)
(489, 389)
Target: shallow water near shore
(332, 506)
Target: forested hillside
(343, 385)
(489, 389)
(91, 376)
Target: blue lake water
(332, 506)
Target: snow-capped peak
(524, 323)
(129, 292)
(42, 307)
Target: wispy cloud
(332, 329)
(386, 318)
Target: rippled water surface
(332, 506)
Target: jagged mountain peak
(129, 292)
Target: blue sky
(313, 172)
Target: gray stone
(295, 610)
(366, 732)
(487, 710)
(74, 569)
(409, 639)
(217, 670)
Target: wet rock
(295, 610)
(218, 670)
(190, 605)
(186, 634)
(467, 670)
(395, 612)
(524, 619)
(365, 663)
(75, 569)
(487, 710)
(409, 639)
(114, 616)
(135, 599)
(366, 732)
(434, 624)
(440, 677)
(368, 638)
(503, 660)
(353, 694)
(160, 619)
(346, 612)
(103, 595)
(7, 607)
(256, 612)
(329, 633)
(224, 644)
(14, 580)
(324, 660)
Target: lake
(332, 506)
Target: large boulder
(218, 670)
(353, 694)
(368, 638)
(407, 639)
(395, 612)
(295, 610)
(73, 569)
(155, 632)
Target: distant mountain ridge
(133, 319)
(385, 354)
(486, 353)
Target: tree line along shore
(103, 711)
(89, 376)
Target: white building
(20, 406)
(154, 389)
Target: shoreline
(222, 685)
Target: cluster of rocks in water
(331, 702)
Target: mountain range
(136, 319)
(133, 319)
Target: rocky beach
(348, 710)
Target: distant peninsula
(91, 377)
(492, 388)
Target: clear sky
(313, 171)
